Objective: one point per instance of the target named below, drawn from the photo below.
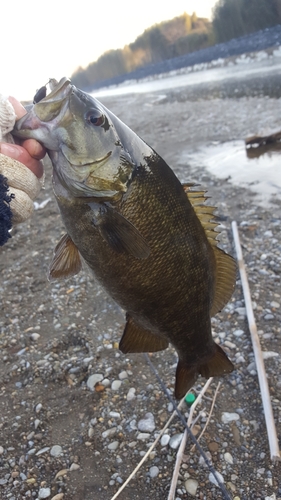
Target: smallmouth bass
(148, 239)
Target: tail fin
(186, 376)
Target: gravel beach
(76, 414)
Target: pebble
(165, 439)
(44, 493)
(116, 384)
(228, 458)
(191, 486)
(74, 466)
(131, 394)
(147, 424)
(142, 436)
(267, 317)
(43, 450)
(229, 417)
(93, 380)
(1, 450)
(113, 446)
(153, 471)
(175, 441)
(114, 414)
(238, 333)
(38, 407)
(274, 304)
(109, 432)
(269, 354)
(35, 336)
(58, 496)
(56, 450)
(213, 480)
(123, 375)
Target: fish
(150, 240)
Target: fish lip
(32, 120)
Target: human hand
(20, 164)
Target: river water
(261, 173)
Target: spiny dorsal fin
(137, 339)
(66, 261)
(226, 269)
(205, 213)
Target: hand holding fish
(19, 164)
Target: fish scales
(149, 240)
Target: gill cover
(86, 152)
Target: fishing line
(193, 438)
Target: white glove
(22, 182)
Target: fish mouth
(46, 110)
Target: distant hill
(183, 41)
(165, 40)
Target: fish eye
(95, 117)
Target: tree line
(181, 35)
(234, 18)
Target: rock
(74, 466)
(131, 394)
(93, 380)
(165, 439)
(191, 486)
(213, 446)
(114, 414)
(274, 304)
(153, 471)
(1, 450)
(116, 384)
(238, 333)
(228, 458)
(123, 375)
(175, 441)
(142, 436)
(213, 480)
(35, 336)
(56, 450)
(113, 446)
(58, 496)
(229, 417)
(44, 493)
(109, 432)
(147, 424)
(269, 354)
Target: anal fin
(137, 339)
(66, 261)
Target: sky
(43, 40)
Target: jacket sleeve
(5, 211)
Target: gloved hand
(19, 164)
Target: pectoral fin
(119, 233)
(66, 260)
(137, 339)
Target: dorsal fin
(226, 269)
(205, 213)
(225, 264)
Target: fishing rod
(193, 438)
